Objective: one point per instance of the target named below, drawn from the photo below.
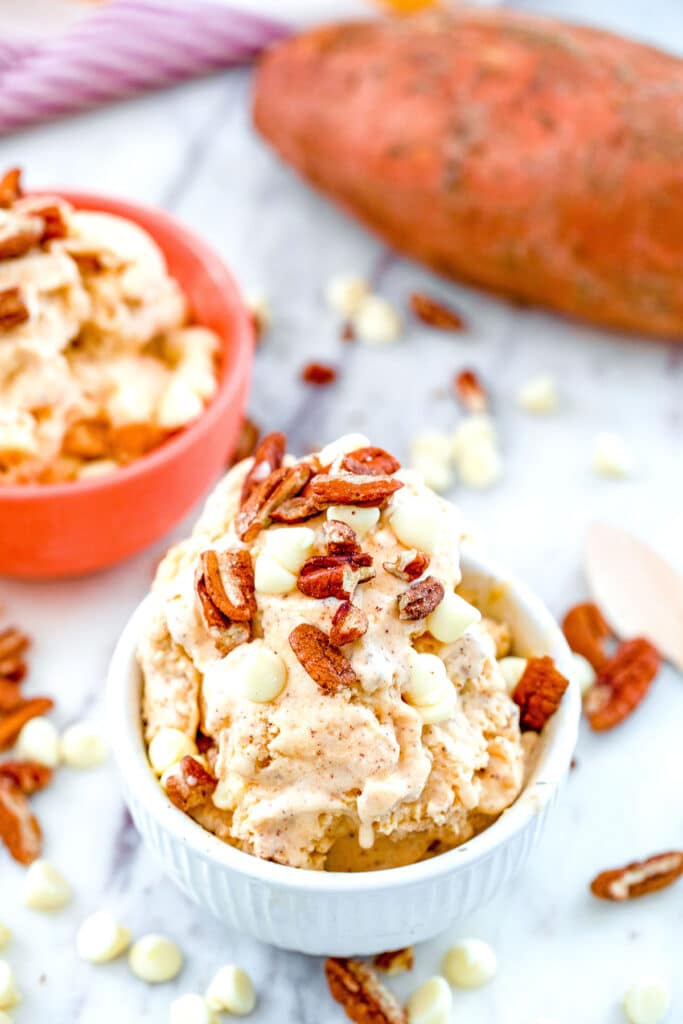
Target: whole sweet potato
(540, 160)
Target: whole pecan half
(408, 565)
(370, 461)
(470, 392)
(364, 998)
(334, 575)
(538, 693)
(190, 784)
(267, 458)
(19, 235)
(324, 662)
(586, 632)
(19, 828)
(367, 491)
(229, 580)
(420, 599)
(10, 187)
(349, 624)
(13, 309)
(295, 510)
(29, 776)
(13, 722)
(434, 313)
(639, 878)
(622, 683)
(282, 484)
(340, 538)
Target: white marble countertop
(562, 955)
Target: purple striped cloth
(120, 49)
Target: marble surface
(562, 955)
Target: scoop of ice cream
(352, 708)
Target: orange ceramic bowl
(54, 530)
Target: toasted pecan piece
(408, 565)
(340, 538)
(226, 634)
(190, 785)
(639, 878)
(364, 998)
(334, 575)
(586, 632)
(19, 828)
(13, 309)
(622, 684)
(538, 693)
(10, 695)
(87, 439)
(50, 209)
(319, 374)
(435, 313)
(367, 491)
(10, 187)
(349, 623)
(19, 235)
(470, 392)
(229, 581)
(395, 961)
(267, 458)
(29, 776)
(370, 461)
(420, 599)
(13, 642)
(296, 510)
(132, 440)
(13, 722)
(324, 662)
(282, 484)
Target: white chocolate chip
(345, 443)
(376, 321)
(39, 741)
(256, 671)
(416, 521)
(5, 1018)
(583, 673)
(345, 293)
(539, 395)
(5, 936)
(270, 577)
(611, 457)
(362, 520)
(512, 670)
(83, 746)
(231, 991)
(472, 430)
(191, 1009)
(290, 546)
(435, 474)
(480, 466)
(427, 679)
(155, 959)
(647, 1001)
(451, 617)
(9, 994)
(430, 1003)
(45, 888)
(430, 456)
(441, 711)
(470, 963)
(101, 938)
(168, 747)
(97, 468)
(179, 404)
(261, 313)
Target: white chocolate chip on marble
(9, 993)
(231, 991)
(376, 321)
(5, 936)
(168, 747)
(257, 671)
(345, 443)
(451, 617)
(611, 457)
(45, 888)
(39, 741)
(430, 1003)
(647, 1001)
(191, 1009)
(430, 456)
(415, 521)
(101, 938)
(362, 520)
(473, 430)
(270, 577)
(480, 466)
(470, 963)
(82, 745)
(290, 546)
(512, 670)
(345, 293)
(583, 673)
(155, 959)
(539, 395)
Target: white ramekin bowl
(345, 914)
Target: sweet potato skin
(537, 159)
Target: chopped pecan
(324, 662)
(586, 632)
(190, 784)
(340, 538)
(364, 998)
(131, 440)
(434, 313)
(350, 489)
(295, 510)
(229, 580)
(13, 309)
(87, 439)
(13, 643)
(348, 332)
(408, 565)
(51, 211)
(370, 461)
(29, 776)
(470, 391)
(282, 484)
(226, 634)
(639, 878)
(334, 575)
(319, 374)
(13, 722)
(10, 187)
(247, 442)
(395, 961)
(19, 828)
(420, 599)
(622, 683)
(10, 695)
(349, 624)
(19, 235)
(267, 458)
(538, 693)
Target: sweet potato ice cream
(316, 692)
